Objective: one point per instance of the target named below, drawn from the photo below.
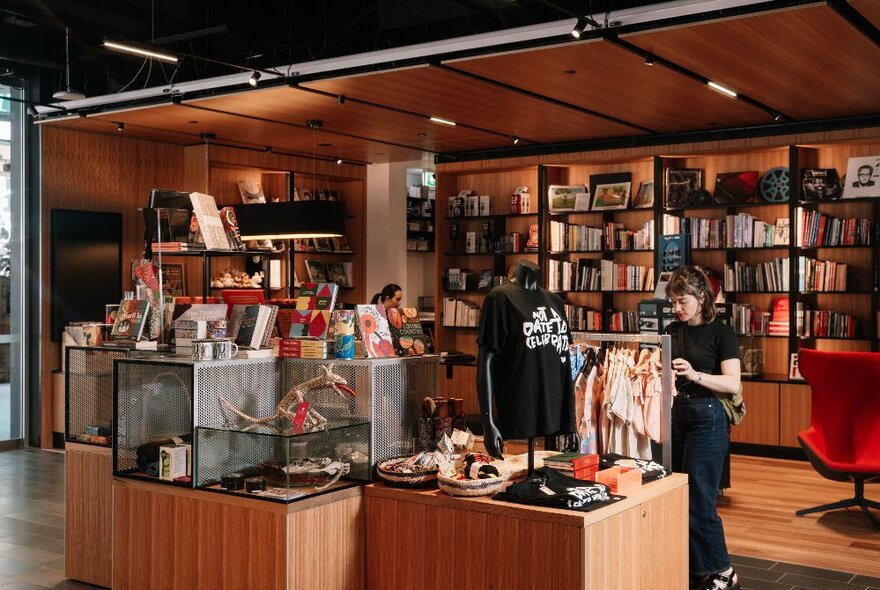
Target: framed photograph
(340, 244)
(317, 271)
(645, 197)
(173, 280)
(682, 185)
(562, 199)
(820, 184)
(611, 196)
(323, 245)
(251, 192)
(862, 178)
(794, 372)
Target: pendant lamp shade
(291, 220)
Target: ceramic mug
(216, 329)
(224, 348)
(202, 350)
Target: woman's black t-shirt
(704, 347)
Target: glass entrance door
(11, 264)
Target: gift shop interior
(297, 294)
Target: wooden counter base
(427, 539)
(87, 513)
(167, 537)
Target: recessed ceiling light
(325, 145)
(380, 153)
(193, 122)
(441, 121)
(722, 89)
(570, 72)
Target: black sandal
(722, 582)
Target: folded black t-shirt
(552, 489)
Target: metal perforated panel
(154, 401)
(249, 385)
(88, 390)
(387, 391)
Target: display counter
(170, 537)
(88, 519)
(427, 539)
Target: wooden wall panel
(101, 173)
(328, 546)
(794, 412)
(88, 514)
(761, 424)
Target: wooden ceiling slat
(807, 62)
(109, 127)
(437, 92)
(611, 80)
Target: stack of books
(779, 324)
(302, 348)
(576, 465)
(310, 322)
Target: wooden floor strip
(759, 520)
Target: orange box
(587, 461)
(619, 480)
(588, 472)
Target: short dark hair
(387, 292)
(690, 280)
(863, 166)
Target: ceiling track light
(722, 89)
(514, 139)
(339, 160)
(649, 60)
(131, 50)
(254, 79)
(120, 126)
(579, 27)
(441, 121)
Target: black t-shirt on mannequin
(524, 364)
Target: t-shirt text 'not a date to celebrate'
(546, 330)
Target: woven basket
(405, 480)
(471, 487)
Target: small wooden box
(621, 481)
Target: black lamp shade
(291, 220)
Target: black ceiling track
(856, 19)
(790, 128)
(544, 98)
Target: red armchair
(843, 440)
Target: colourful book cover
(317, 296)
(309, 323)
(344, 322)
(375, 334)
(131, 317)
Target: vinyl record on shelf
(774, 185)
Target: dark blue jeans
(700, 440)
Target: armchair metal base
(858, 500)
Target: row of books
(612, 236)
(623, 321)
(821, 275)
(577, 275)
(732, 231)
(766, 276)
(460, 313)
(616, 276)
(746, 320)
(815, 228)
(583, 319)
(814, 323)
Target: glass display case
(159, 401)
(388, 393)
(279, 462)
(88, 391)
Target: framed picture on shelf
(735, 188)
(562, 199)
(323, 245)
(645, 197)
(173, 280)
(340, 244)
(862, 178)
(682, 185)
(611, 196)
(336, 274)
(820, 184)
(251, 192)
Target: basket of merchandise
(409, 471)
(476, 477)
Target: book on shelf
(131, 317)
(247, 353)
(532, 243)
(210, 226)
(460, 313)
(316, 270)
(781, 232)
(256, 326)
(176, 247)
(230, 226)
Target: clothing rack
(666, 382)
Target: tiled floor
(32, 536)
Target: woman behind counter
(706, 361)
